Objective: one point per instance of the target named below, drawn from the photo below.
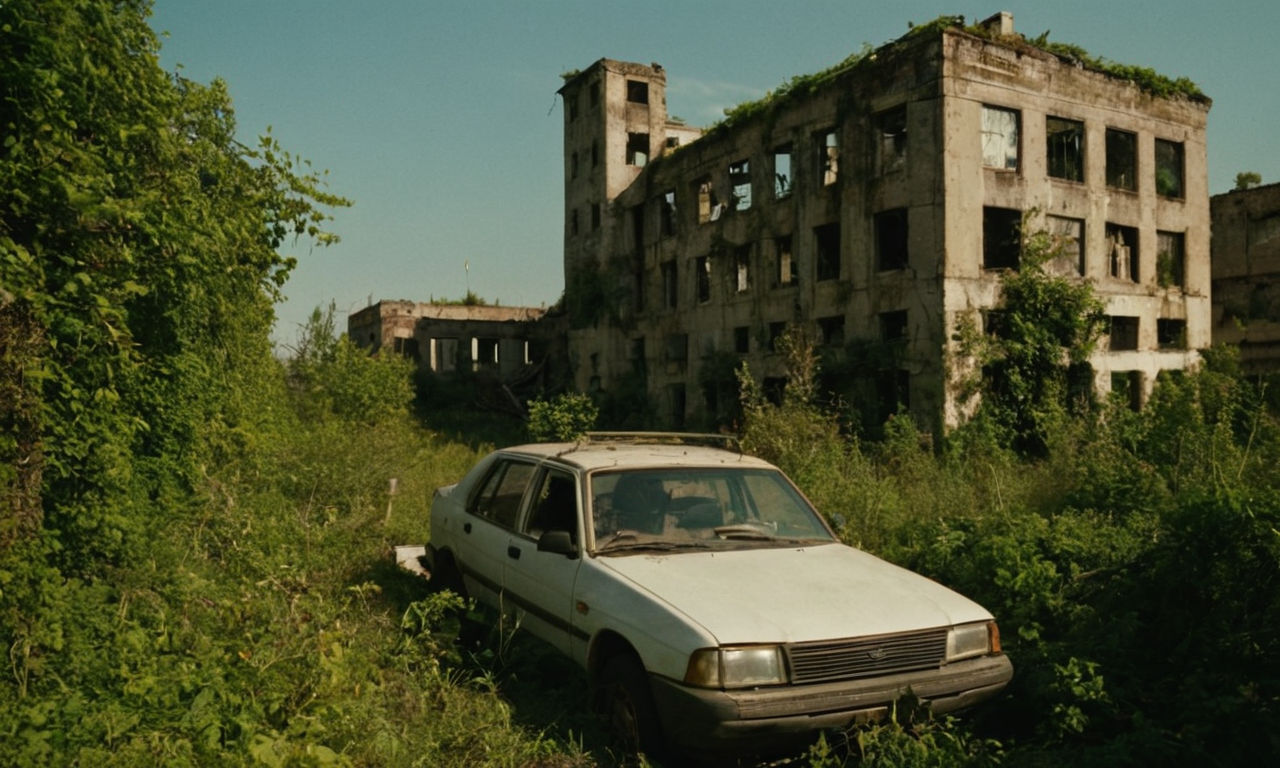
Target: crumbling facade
(1246, 275)
(876, 206)
(450, 338)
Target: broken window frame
(638, 91)
(786, 275)
(783, 181)
(740, 184)
(1064, 148)
(709, 205)
(891, 144)
(1122, 252)
(826, 248)
(1067, 234)
(1170, 169)
(892, 245)
(1001, 238)
(1171, 259)
(637, 152)
(702, 279)
(1001, 138)
(1122, 160)
(828, 143)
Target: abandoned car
(710, 604)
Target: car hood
(795, 595)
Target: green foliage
(563, 418)
(1145, 78)
(1247, 179)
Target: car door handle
(513, 552)
(466, 527)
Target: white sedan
(711, 606)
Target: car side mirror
(558, 542)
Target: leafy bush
(563, 418)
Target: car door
(540, 584)
(488, 526)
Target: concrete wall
(1246, 275)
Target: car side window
(555, 506)
(499, 496)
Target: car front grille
(831, 660)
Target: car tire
(447, 576)
(626, 705)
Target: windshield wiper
(744, 531)
(653, 546)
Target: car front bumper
(705, 720)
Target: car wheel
(627, 707)
(447, 576)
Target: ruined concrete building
(876, 205)
(1246, 275)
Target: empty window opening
(638, 91)
(893, 326)
(828, 157)
(1067, 243)
(1171, 334)
(891, 148)
(407, 347)
(675, 352)
(709, 206)
(1000, 138)
(742, 269)
(1127, 385)
(1124, 333)
(832, 330)
(668, 206)
(702, 270)
(484, 353)
(995, 323)
(740, 182)
(1122, 251)
(827, 244)
(782, 180)
(891, 239)
(1170, 259)
(742, 339)
(1001, 238)
(786, 274)
(893, 391)
(444, 355)
(776, 331)
(1169, 168)
(670, 289)
(637, 149)
(1065, 143)
(1122, 159)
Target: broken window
(827, 245)
(1124, 333)
(673, 142)
(1169, 168)
(891, 239)
(832, 330)
(1122, 251)
(893, 326)
(1170, 262)
(742, 269)
(891, 149)
(786, 274)
(1000, 138)
(484, 353)
(702, 272)
(407, 347)
(1001, 238)
(444, 355)
(670, 289)
(1068, 243)
(742, 339)
(828, 157)
(709, 206)
(1171, 334)
(1122, 159)
(776, 330)
(1127, 385)
(1065, 143)
(782, 181)
(638, 91)
(668, 207)
(740, 183)
(637, 149)
(675, 352)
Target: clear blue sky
(440, 121)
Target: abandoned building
(878, 204)
(1246, 275)
(510, 342)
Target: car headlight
(972, 640)
(736, 667)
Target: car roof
(641, 450)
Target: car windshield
(699, 509)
